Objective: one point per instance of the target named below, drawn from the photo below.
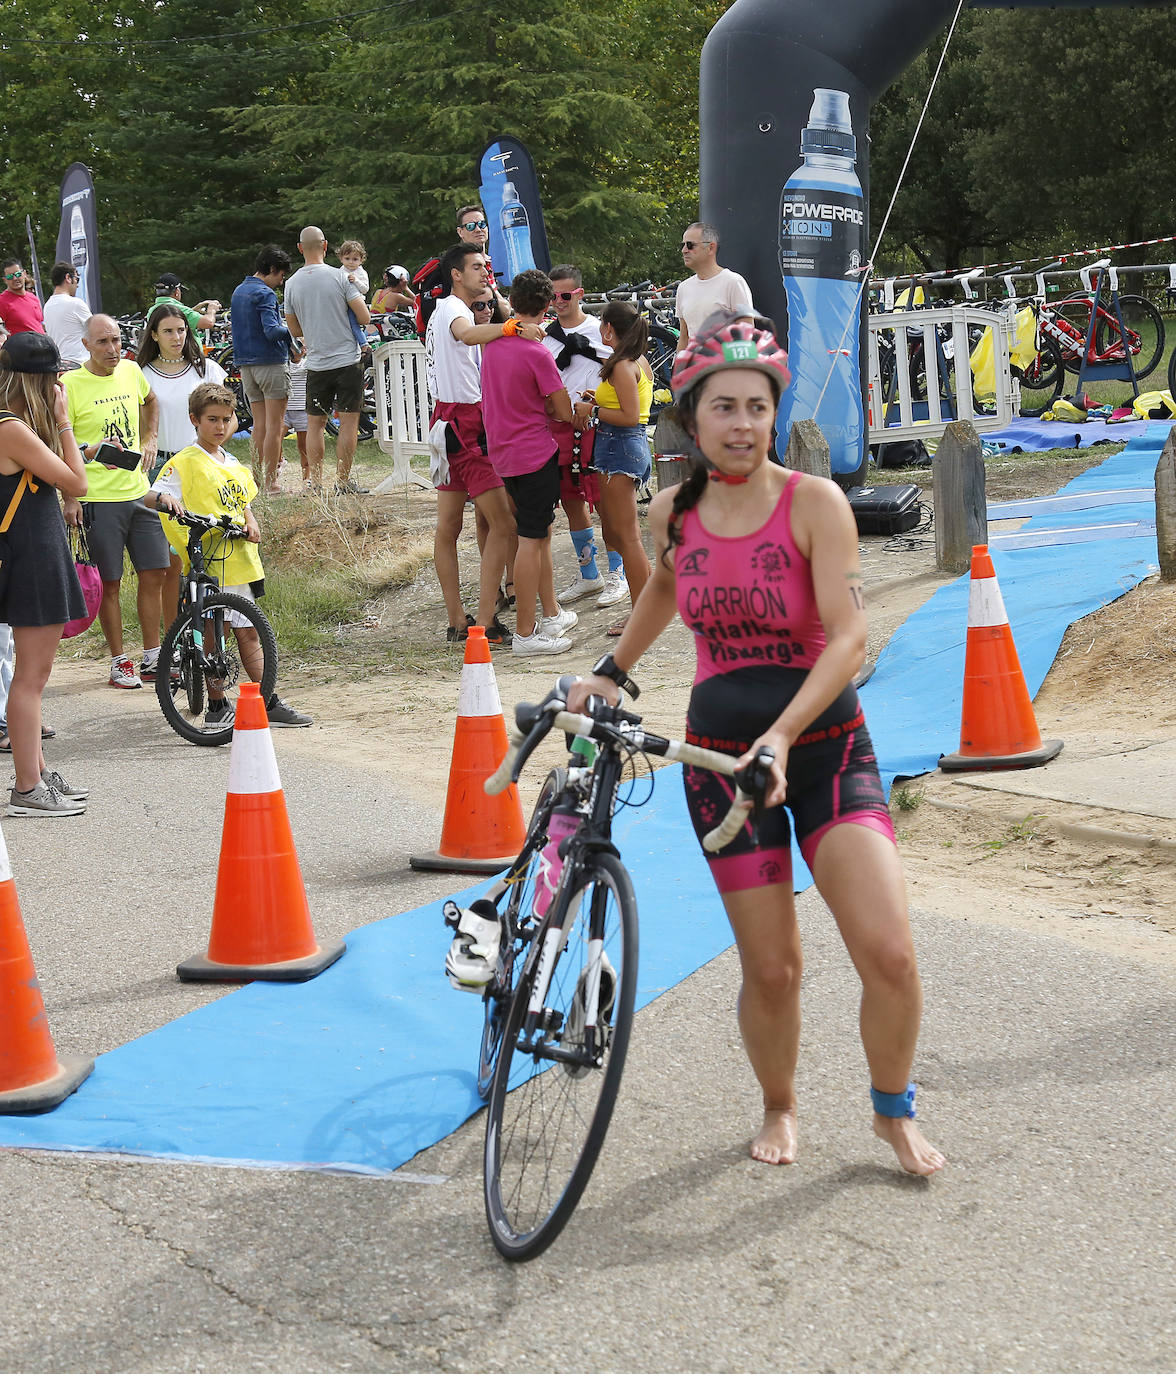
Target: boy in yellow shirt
(205, 479)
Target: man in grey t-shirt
(320, 303)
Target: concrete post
(1166, 508)
(961, 512)
(808, 449)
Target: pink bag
(89, 578)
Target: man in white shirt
(711, 286)
(573, 339)
(457, 327)
(65, 315)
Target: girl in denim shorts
(621, 452)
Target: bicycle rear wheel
(1145, 335)
(557, 1078)
(517, 928)
(1042, 379)
(181, 667)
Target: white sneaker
(122, 673)
(555, 625)
(582, 586)
(540, 643)
(473, 956)
(616, 588)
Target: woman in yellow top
(620, 454)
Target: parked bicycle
(200, 658)
(559, 1006)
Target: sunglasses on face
(689, 243)
(13, 276)
(471, 225)
(569, 295)
(482, 305)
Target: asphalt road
(1047, 1077)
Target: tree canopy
(212, 129)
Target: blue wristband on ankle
(894, 1104)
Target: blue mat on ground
(1034, 436)
(373, 1060)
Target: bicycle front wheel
(560, 1068)
(203, 646)
(517, 925)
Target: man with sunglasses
(458, 326)
(20, 311)
(711, 287)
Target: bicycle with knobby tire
(201, 659)
(559, 1007)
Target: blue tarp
(373, 1060)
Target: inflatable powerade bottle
(516, 233)
(822, 229)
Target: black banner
(510, 197)
(77, 238)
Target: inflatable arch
(784, 102)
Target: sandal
(48, 732)
(618, 627)
(506, 598)
(5, 743)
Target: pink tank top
(748, 599)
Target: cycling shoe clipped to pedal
(473, 956)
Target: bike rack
(1109, 371)
(900, 324)
(402, 410)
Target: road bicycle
(1141, 336)
(558, 1010)
(200, 649)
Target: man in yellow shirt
(111, 401)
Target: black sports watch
(607, 667)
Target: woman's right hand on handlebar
(592, 686)
(164, 501)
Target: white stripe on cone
(985, 604)
(253, 765)
(5, 866)
(478, 694)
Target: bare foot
(776, 1142)
(915, 1154)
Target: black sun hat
(31, 352)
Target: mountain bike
(200, 650)
(559, 1009)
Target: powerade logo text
(815, 219)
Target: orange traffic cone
(32, 1078)
(260, 920)
(998, 728)
(479, 834)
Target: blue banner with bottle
(77, 238)
(510, 197)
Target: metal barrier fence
(920, 373)
(402, 410)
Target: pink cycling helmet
(734, 345)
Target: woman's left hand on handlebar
(592, 686)
(779, 744)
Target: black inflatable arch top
(760, 65)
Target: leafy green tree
(387, 136)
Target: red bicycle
(1140, 337)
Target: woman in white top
(171, 356)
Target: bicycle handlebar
(226, 523)
(610, 724)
